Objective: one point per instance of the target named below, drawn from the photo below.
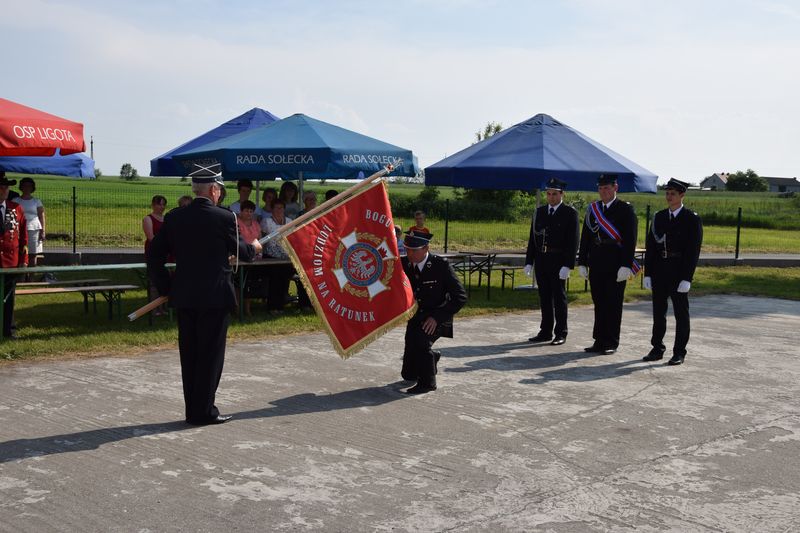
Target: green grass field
(109, 213)
(56, 326)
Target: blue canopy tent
(525, 156)
(164, 165)
(299, 147)
(74, 165)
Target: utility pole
(91, 146)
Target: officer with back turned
(203, 239)
(551, 252)
(673, 248)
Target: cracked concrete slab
(519, 437)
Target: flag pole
(147, 308)
(324, 206)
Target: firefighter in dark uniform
(202, 238)
(607, 261)
(439, 295)
(13, 250)
(673, 248)
(552, 246)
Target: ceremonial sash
(611, 231)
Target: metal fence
(103, 214)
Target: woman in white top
(34, 218)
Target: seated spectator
(419, 224)
(330, 193)
(250, 230)
(289, 196)
(279, 275)
(309, 202)
(34, 219)
(244, 187)
(267, 197)
(184, 200)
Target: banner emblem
(363, 265)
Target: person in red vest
(13, 250)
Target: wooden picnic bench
(111, 293)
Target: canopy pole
(300, 189)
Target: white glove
(623, 274)
(684, 286)
(648, 283)
(563, 273)
(528, 270)
(583, 271)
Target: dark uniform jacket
(676, 256)
(553, 239)
(601, 252)
(438, 291)
(200, 236)
(13, 237)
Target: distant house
(783, 184)
(715, 182)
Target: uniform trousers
(419, 362)
(553, 300)
(662, 291)
(201, 342)
(607, 296)
(9, 326)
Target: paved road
(518, 437)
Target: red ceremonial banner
(348, 261)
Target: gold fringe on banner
(362, 343)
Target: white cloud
(681, 102)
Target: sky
(684, 88)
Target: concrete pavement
(519, 437)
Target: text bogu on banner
(348, 261)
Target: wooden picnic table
(61, 283)
(44, 269)
(243, 270)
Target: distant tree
(490, 129)
(746, 180)
(97, 173)
(128, 172)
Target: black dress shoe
(558, 341)
(654, 355)
(676, 360)
(541, 337)
(219, 419)
(419, 388)
(607, 351)
(592, 349)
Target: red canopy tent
(28, 131)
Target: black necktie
(671, 217)
(552, 210)
(604, 209)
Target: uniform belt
(669, 255)
(550, 250)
